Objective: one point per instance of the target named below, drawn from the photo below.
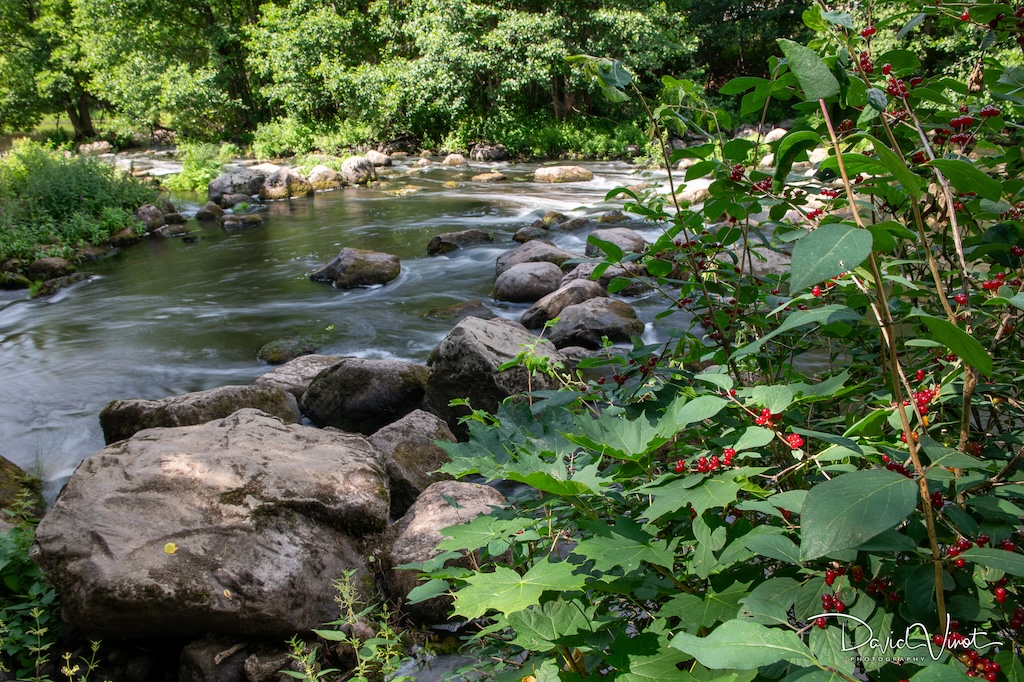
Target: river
(170, 316)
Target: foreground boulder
(235, 526)
(527, 282)
(467, 364)
(362, 395)
(285, 183)
(412, 456)
(549, 307)
(296, 375)
(359, 268)
(416, 536)
(245, 181)
(562, 174)
(122, 418)
(626, 239)
(585, 324)
(488, 152)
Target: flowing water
(170, 316)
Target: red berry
(821, 622)
(830, 577)
(816, 291)
(886, 69)
(1017, 251)
(960, 563)
(966, 16)
(961, 299)
(989, 111)
(680, 466)
(1000, 594)
(1008, 545)
(868, 32)
(919, 375)
(983, 540)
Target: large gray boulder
(549, 307)
(527, 282)
(296, 375)
(242, 181)
(324, 179)
(533, 251)
(452, 241)
(412, 456)
(363, 395)
(377, 158)
(467, 364)
(414, 538)
(488, 152)
(585, 271)
(150, 216)
(623, 237)
(357, 170)
(122, 418)
(235, 526)
(585, 324)
(285, 183)
(562, 174)
(359, 268)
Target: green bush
(281, 138)
(817, 477)
(201, 163)
(55, 202)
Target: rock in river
(359, 268)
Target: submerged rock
(359, 268)
(452, 241)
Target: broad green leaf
(827, 646)
(1000, 559)
(960, 342)
(824, 315)
(744, 645)
(658, 268)
(854, 164)
(813, 74)
(790, 147)
(703, 560)
(655, 668)
(853, 508)
(1013, 666)
(617, 436)
(712, 492)
(754, 437)
(506, 591)
(877, 100)
(480, 532)
(914, 22)
(939, 673)
(428, 590)
(911, 183)
(775, 398)
(682, 412)
(714, 606)
(725, 381)
(540, 628)
(700, 169)
(613, 251)
(626, 546)
(966, 178)
(839, 19)
(741, 84)
(841, 441)
(827, 252)
(775, 547)
(941, 456)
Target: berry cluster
(794, 440)
(865, 63)
(923, 398)
(961, 138)
(766, 418)
(737, 173)
(886, 69)
(816, 213)
(919, 375)
(706, 465)
(961, 122)
(988, 111)
(868, 32)
(896, 466)
(830, 193)
(764, 185)
(977, 666)
(1000, 278)
(936, 499)
(896, 87)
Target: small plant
(362, 633)
(200, 163)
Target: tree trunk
(81, 117)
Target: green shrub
(817, 476)
(201, 162)
(55, 202)
(281, 138)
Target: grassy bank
(53, 203)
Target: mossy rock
(280, 351)
(15, 486)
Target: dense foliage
(52, 203)
(818, 477)
(442, 71)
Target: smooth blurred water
(167, 316)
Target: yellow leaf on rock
(170, 548)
